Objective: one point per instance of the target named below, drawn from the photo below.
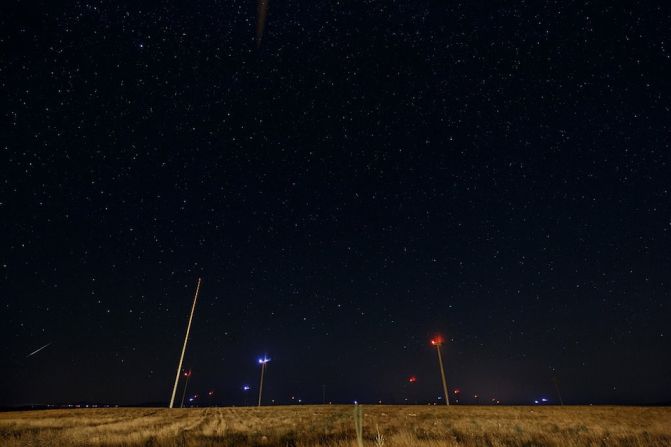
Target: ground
(333, 425)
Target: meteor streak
(38, 350)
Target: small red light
(412, 379)
(437, 340)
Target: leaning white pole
(186, 339)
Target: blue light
(264, 359)
(246, 388)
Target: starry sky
(372, 174)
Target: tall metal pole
(442, 374)
(186, 384)
(186, 339)
(561, 401)
(263, 369)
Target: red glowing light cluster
(412, 379)
(437, 340)
(187, 373)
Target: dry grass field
(399, 426)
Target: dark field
(402, 426)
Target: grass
(326, 425)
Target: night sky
(376, 172)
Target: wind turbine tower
(437, 341)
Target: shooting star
(38, 350)
(261, 14)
